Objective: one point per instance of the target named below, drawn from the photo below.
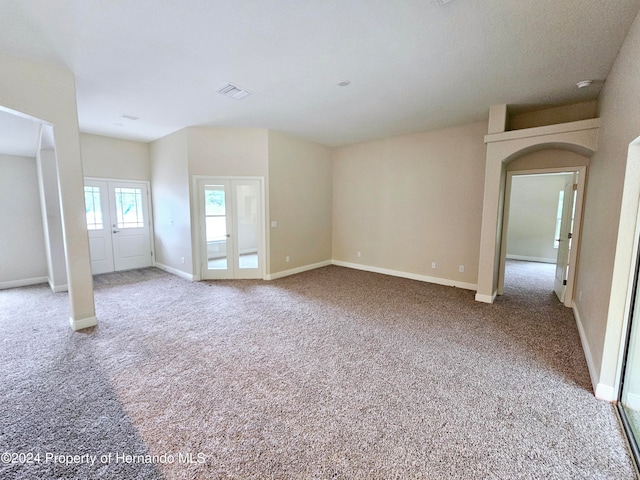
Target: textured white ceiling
(413, 65)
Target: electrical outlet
(461, 268)
(287, 259)
(580, 296)
(433, 265)
(182, 260)
(359, 254)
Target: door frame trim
(149, 204)
(573, 256)
(197, 213)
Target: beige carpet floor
(330, 374)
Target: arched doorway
(502, 148)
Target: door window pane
(216, 226)
(214, 201)
(247, 220)
(216, 229)
(129, 208)
(93, 208)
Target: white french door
(230, 227)
(119, 224)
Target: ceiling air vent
(234, 92)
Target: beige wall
(533, 209)
(620, 116)
(407, 201)
(22, 253)
(227, 151)
(300, 195)
(107, 157)
(171, 204)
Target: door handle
(116, 231)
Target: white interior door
(564, 241)
(119, 225)
(231, 228)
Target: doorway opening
(119, 224)
(540, 229)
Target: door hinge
(575, 186)
(570, 235)
(564, 282)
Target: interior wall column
(75, 236)
(491, 211)
(51, 220)
(48, 94)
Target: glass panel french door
(629, 402)
(231, 228)
(119, 226)
(246, 194)
(96, 201)
(216, 229)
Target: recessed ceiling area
(412, 65)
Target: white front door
(119, 225)
(231, 239)
(564, 241)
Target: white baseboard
(412, 276)
(174, 271)
(606, 393)
(601, 391)
(532, 259)
(293, 271)
(23, 282)
(58, 288)
(486, 298)
(83, 323)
